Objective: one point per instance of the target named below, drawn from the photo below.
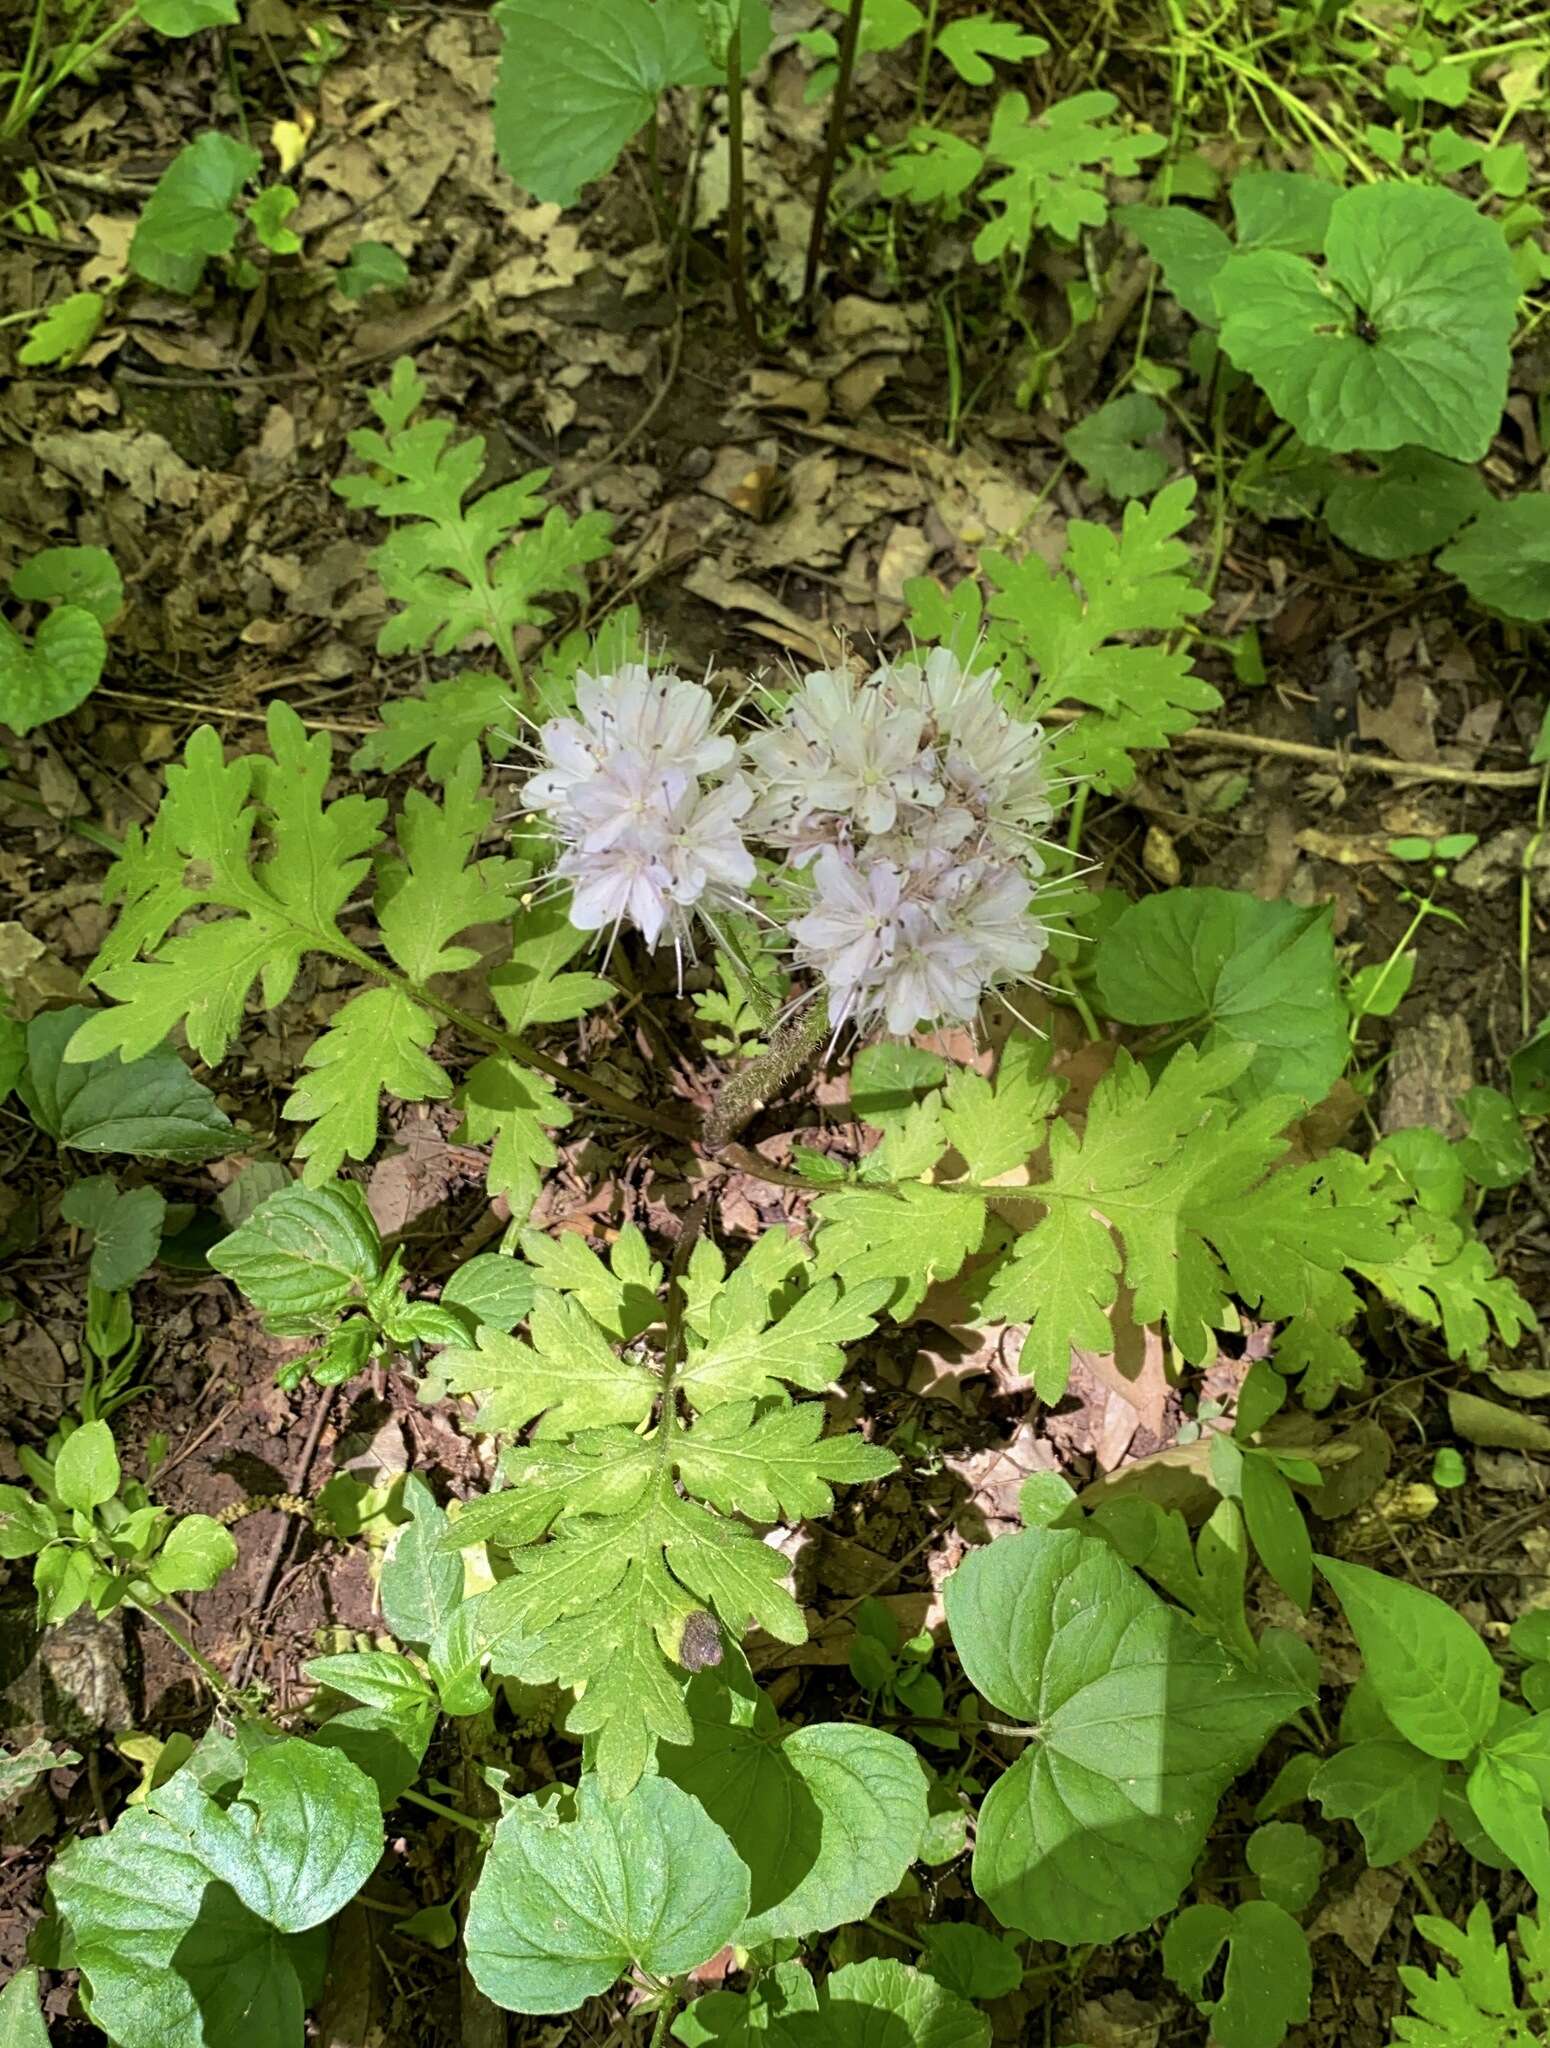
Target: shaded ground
(764, 510)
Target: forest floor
(768, 511)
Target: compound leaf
(1049, 180)
(198, 854)
(376, 1042)
(441, 722)
(564, 1907)
(1475, 2005)
(512, 1109)
(899, 1242)
(440, 887)
(1069, 626)
(774, 1464)
(455, 568)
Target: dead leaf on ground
(1361, 1918)
(1404, 727)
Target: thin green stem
(213, 1678)
(927, 45)
(737, 208)
(449, 1813)
(1526, 903)
(1065, 981)
(850, 37)
(1428, 1896)
(671, 2000)
(894, 1933)
(1370, 1008)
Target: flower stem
(741, 1097)
(849, 39)
(437, 1806)
(737, 237)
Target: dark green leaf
(125, 1228)
(151, 1106)
(1390, 1789)
(191, 215)
(1402, 339)
(303, 1254)
(87, 577)
(1239, 970)
(1412, 503)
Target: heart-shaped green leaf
(1220, 961)
(151, 1106)
(190, 216)
(1403, 336)
(564, 1907)
(876, 2004)
(1503, 557)
(125, 1228)
(58, 670)
(1138, 1724)
(562, 122)
(87, 577)
(827, 1818)
(187, 17)
(1392, 1790)
(170, 1956)
(1412, 503)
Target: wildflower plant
(894, 838)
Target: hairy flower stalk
(905, 809)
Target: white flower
(644, 842)
(850, 933)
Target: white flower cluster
(907, 806)
(636, 789)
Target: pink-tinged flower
(644, 842)
(849, 934)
